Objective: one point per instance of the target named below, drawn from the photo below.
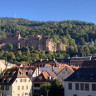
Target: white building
(81, 83)
(14, 82)
(2, 66)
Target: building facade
(81, 83)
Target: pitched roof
(57, 68)
(45, 77)
(8, 76)
(83, 75)
(48, 65)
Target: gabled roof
(83, 75)
(8, 76)
(71, 68)
(57, 68)
(45, 77)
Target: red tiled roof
(45, 77)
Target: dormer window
(40, 78)
(66, 69)
(7, 88)
(2, 87)
(26, 73)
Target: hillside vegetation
(79, 36)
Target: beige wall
(15, 85)
(2, 67)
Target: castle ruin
(37, 41)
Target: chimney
(38, 70)
(49, 77)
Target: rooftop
(83, 75)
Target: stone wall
(37, 41)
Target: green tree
(82, 41)
(56, 89)
(10, 46)
(44, 88)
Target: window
(26, 87)
(18, 88)
(77, 86)
(29, 94)
(18, 95)
(66, 69)
(82, 86)
(40, 78)
(2, 87)
(93, 87)
(16, 81)
(7, 88)
(70, 86)
(22, 87)
(29, 80)
(20, 80)
(36, 85)
(86, 87)
(74, 94)
(25, 80)
(36, 91)
(26, 73)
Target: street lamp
(47, 92)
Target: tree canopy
(79, 36)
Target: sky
(49, 10)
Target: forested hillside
(79, 36)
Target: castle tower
(19, 45)
(19, 36)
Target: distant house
(65, 72)
(44, 77)
(82, 64)
(31, 71)
(81, 83)
(14, 82)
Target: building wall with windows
(80, 88)
(22, 87)
(64, 73)
(6, 90)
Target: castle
(37, 41)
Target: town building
(81, 83)
(65, 72)
(14, 82)
(44, 77)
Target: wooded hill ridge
(79, 36)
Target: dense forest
(79, 36)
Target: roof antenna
(15, 15)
